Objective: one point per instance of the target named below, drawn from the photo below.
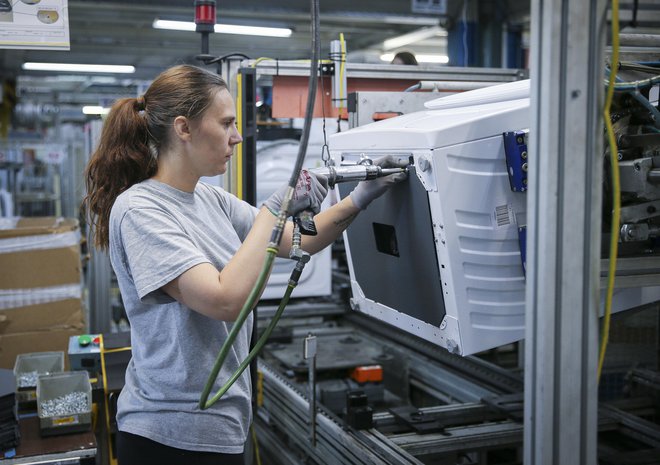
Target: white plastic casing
(459, 158)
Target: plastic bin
(27, 369)
(64, 403)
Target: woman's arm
(222, 294)
(330, 223)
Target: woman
(186, 256)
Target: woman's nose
(236, 137)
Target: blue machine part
(515, 148)
(522, 239)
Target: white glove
(367, 191)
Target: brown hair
(135, 132)
(406, 58)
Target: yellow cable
(112, 457)
(342, 70)
(256, 444)
(259, 60)
(239, 126)
(616, 187)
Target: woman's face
(215, 135)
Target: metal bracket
(510, 405)
(418, 421)
(326, 69)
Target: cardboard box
(40, 252)
(40, 286)
(63, 314)
(34, 341)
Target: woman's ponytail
(123, 158)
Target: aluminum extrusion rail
(645, 377)
(505, 433)
(287, 409)
(290, 408)
(386, 71)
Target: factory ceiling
(120, 32)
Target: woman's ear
(181, 127)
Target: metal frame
(407, 72)
(564, 233)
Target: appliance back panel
(393, 251)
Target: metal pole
(564, 227)
(309, 353)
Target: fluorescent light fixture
(174, 25)
(412, 20)
(412, 37)
(444, 59)
(225, 28)
(78, 68)
(95, 110)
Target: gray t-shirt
(156, 233)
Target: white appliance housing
(439, 255)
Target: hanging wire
(464, 35)
(325, 150)
(616, 190)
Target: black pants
(138, 450)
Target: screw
(523, 155)
(452, 347)
(27, 379)
(68, 404)
(424, 164)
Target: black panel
(393, 252)
(385, 237)
(249, 126)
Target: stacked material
(40, 285)
(9, 434)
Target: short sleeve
(157, 250)
(242, 215)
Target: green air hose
(253, 353)
(238, 324)
(293, 282)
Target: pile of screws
(27, 379)
(69, 404)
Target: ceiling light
(412, 37)
(174, 25)
(444, 59)
(95, 110)
(412, 20)
(78, 68)
(224, 28)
